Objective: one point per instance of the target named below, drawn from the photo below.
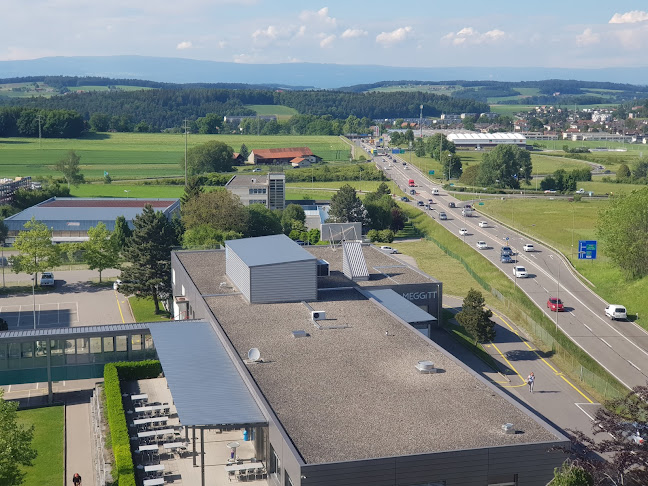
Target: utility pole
(186, 131)
(421, 122)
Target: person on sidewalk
(76, 480)
(531, 381)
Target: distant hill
(302, 75)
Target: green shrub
(124, 471)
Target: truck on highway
(412, 183)
(466, 212)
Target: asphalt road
(621, 347)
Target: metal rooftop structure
(399, 305)
(207, 389)
(268, 250)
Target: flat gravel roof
(354, 393)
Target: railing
(102, 468)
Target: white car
(481, 245)
(528, 247)
(483, 224)
(519, 272)
(612, 311)
(463, 231)
(47, 279)
(116, 284)
(388, 249)
(580, 191)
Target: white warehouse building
(486, 140)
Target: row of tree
(565, 181)
(25, 122)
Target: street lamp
(33, 279)
(126, 191)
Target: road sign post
(587, 249)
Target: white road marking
(634, 365)
(551, 256)
(572, 313)
(581, 409)
(606, 343)
(588, 328)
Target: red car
(555, 304)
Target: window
(69, 346)
(288, 481)
(121, 343)
(109, 344)
(275, 466)
(82, 346)
(136, 342)
(41, 348)
(56, 346)
(95, 345)
(27, 350)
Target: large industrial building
(269, 190)
(280, 156)
(478, 141)
(70, 218)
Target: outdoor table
(153, 482)
(142, 396)
(151, 447)
(150, 420)
(152, 408)
(154, 468)
(155, 433)
(174, 445)
(244, 467)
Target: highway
(621, 347)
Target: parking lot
(73, 301)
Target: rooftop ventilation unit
(318, 315)
(354, 265)
(508, 429)
(323, 269)
(299, 334)
(426, 367)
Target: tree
(432, 145)
(625, 460)
(505, 166)
(15, 444)
(149, 253)
(475, 318)
(419, 149)
(346, 207)
(622, 228)
(220, 209)
(210, 123)
(192, 189)
(69, 167)
(569, 474)
(293, 212)
(397, 220)
(244, 151)
(99, 122)
(36, 253)
(121, 234)
(204, 236)
(101, 250)
(263, 221)
(469, 175)
(209, 157)
(451, 164)
(314, 236)
(623, 173)
(640, 169)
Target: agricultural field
(434, 89)
(139, 155)
(282, 112)
(559, 223)
(48, 440)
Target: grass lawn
(554, 221)
(140, 155)
(48, 440)
(144, 310)
(282, 112)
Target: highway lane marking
(634, 365)
(588, 328)
(604, 341)
(581, 408)
(579, 392)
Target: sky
(415, 33)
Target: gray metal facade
(268, 250)
(207, 389)
(237, 271)
(286, 282)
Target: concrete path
(78, 437)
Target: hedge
(114, 373)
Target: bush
(373, 235)
(386, 236)
(124, 471)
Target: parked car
(256, 170)
(614, 311)
(451, 205)
(463, 231)
(580, 191)
(506, 259)
(405, 199)
(389, 249)
(443, 216)
(483, 224)
(528, 247)
(634, 432)
(550, 191)
(47, 279)
(519, 272)
(506, 250)
(419, 203)
(555, 304)
(481, 245)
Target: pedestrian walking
(531, 381)
(76, 480)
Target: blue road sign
(431, 172)
(587, 249)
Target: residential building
(279, 156)
(8, 188)
(267, 189)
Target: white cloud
(631, 17)
(222, 44)
(269, 34)
(352, 33)
(470, 36)
(327, 41)
(587, 38)
(321, 16)
(184, 45)
(393, 37)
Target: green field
(559, 223)
(434, 89)
(48, 440)
(282, 112)
(139, 155)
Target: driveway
(74, 301)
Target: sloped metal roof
(64, 332)
(399, 305)
(486, 136)
(268, 250)
(207, 388)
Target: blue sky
(567, 33)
